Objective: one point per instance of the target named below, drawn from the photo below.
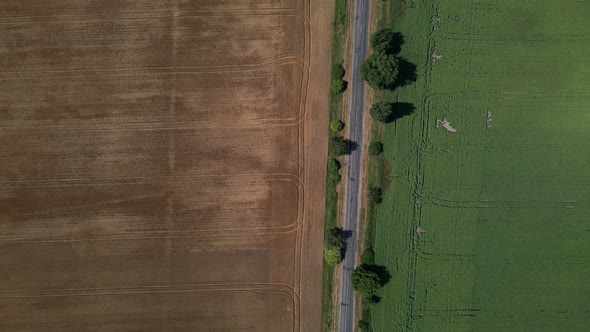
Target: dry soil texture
(162, 164)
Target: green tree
(333, 172)
(339, 86)
(333, 245)
(332, 254)
(334, 165)
(365, 281)
(364, 326)
(333, 177)
(382, 112)
(337, 72)
(336, 125)
(369, 301)
(375, 148)
(383, 40)
(338, 146)
(380, 70)
(336, 236)
(376, 195)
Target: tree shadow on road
(351, 146)
(346, 234)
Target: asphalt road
(352, 182)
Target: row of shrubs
(382, 70)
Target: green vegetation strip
(331, 219)
(385, 71)
(485, 223)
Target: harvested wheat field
(162, 164)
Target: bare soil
(163, 165)
(444, 123)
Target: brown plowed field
(162, 164)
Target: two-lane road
(352, 184)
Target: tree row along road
(352, 182)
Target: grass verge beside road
(379, 169)
(331, 219)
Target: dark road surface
(352, 183)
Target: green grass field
(505, 209)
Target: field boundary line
(417, 184)
(171, 14)
(136, 126)
(185, 176)
(203, 286)
(299, 4)
(294, 164)
(271, 61)
(244, 234)
(300, 233)
(256, 288)
(156, 289)
(270, 123)
(295, 224)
